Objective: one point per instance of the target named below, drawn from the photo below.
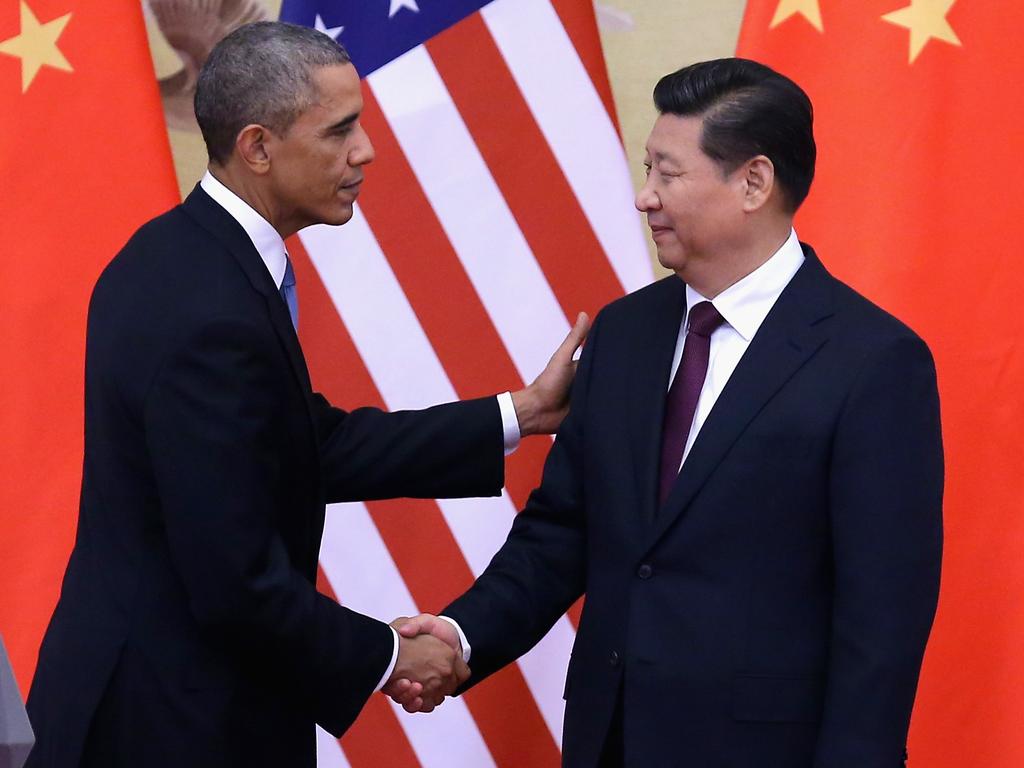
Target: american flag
(498, 207)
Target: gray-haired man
(189, 631)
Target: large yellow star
(36, 45)
(809, 9)
(925, 19)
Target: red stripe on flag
(580, 23)
(406, 240)
(427, 556)
(524, 167)
(376, 724)
(459, 328)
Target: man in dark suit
(748, 485)
(189, 631)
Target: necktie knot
(704, 319)
(289, 274)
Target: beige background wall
(645, 39)
(642, 39)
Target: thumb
(417, 626)
(577, 335)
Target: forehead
(338, 92)
(674, 136)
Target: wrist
(525, 404)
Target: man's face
(316, 167)
(695, 213)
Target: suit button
(644, 571)
(613, 658)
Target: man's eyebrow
(342, 124)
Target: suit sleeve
(540, 571)
(448, 451)
(886, 514)
(211, 427)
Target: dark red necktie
(685, 392)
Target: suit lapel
(790, 335)
(219, 223)
(654, 346)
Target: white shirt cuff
(466, 649)
(509, 424)
(391, 666)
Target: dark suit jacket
(774, 613)
(189, 629)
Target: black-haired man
(748, 485)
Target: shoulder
(171, 242)
(864, 323)
(170, 279)
(172, 264)
(643, 305)
(861, 334)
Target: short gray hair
(261, 73)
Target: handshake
(430, 664)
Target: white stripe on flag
(378, 316)
(573, 119)
(328, 751)
(365, 579)
(545, 665)
(471, 209)
(398, 355)
(399, 358)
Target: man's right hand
(429, 665)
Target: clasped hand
(429, 666)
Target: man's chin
(670, 258)
(339, 216)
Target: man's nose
(363, 152)
(646, 199)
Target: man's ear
(759, 182)
(252, 148)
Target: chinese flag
(84, 160)
(918, 115)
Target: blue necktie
(288, 293)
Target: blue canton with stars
(376, 31)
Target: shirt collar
(747, 302)
(266, 239)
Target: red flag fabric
(917, 120)
(84, 160)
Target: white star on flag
(331, 32)
(397, 5)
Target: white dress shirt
(744, 305)
(272, 250)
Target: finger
(462, 671)
(427, 704)
(578, 334)
(414, 706)
(399, 622)
(434, 689)
(409, 694)
(422, 624)
(410, 629)
(396, 688)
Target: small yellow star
(36, 45)
(925, 19)
(809, 9)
